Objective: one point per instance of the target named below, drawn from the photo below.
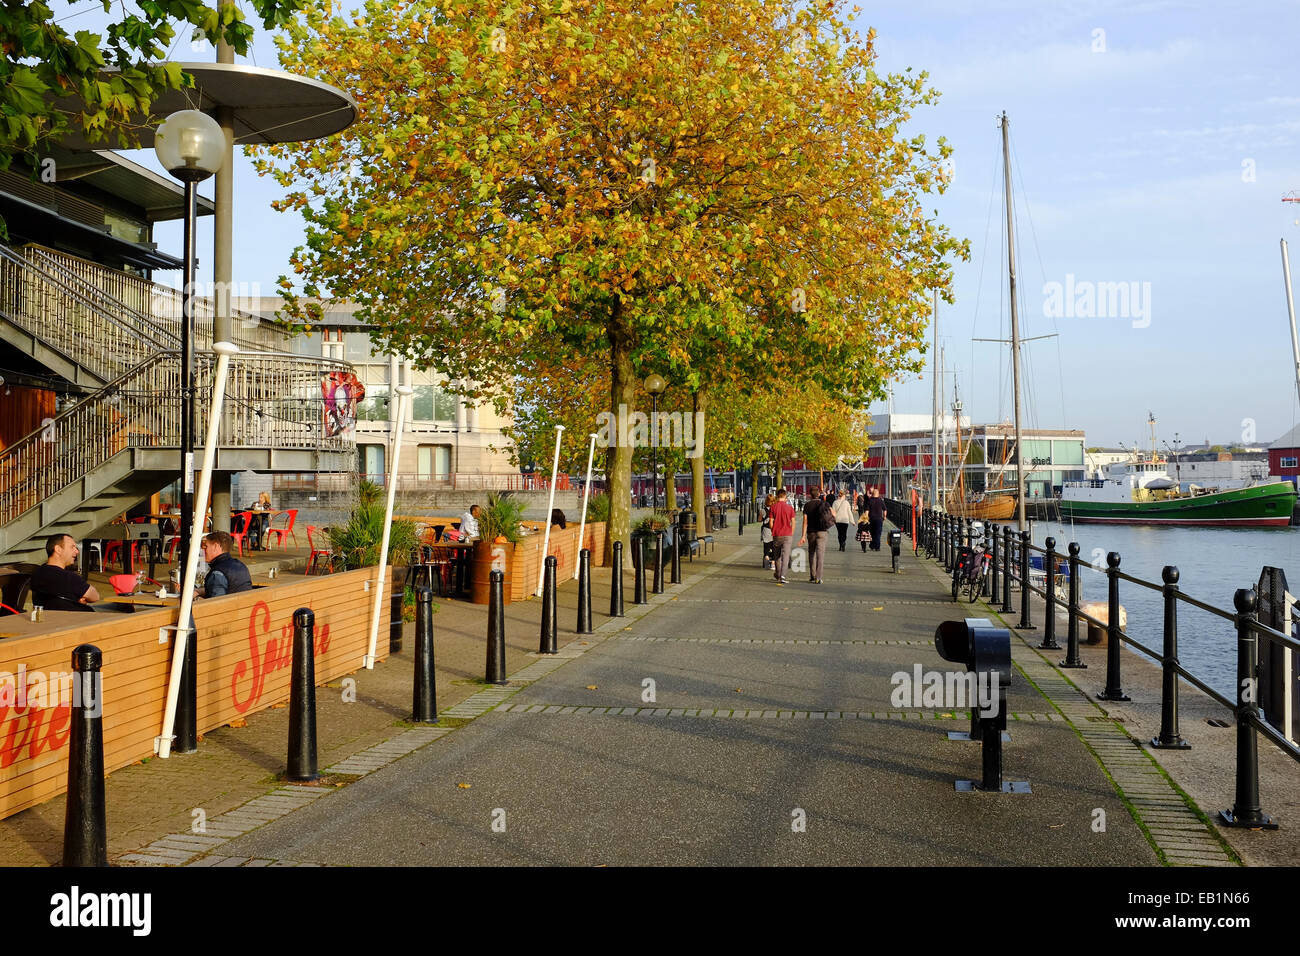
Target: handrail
(159, 305)
(72, 324)
(272, 401)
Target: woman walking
(842, 511)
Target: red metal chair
(315, 553)
(245, 519)
(283, 529)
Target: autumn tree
(652, 182)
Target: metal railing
(272, 401)
(138, 300)
(76, 322)
(943, 535)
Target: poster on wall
(342, 391)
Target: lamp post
(655, 385)
(190, 146)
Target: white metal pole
(1290, 308)
(586, 491)
(546, 538)
(162, 744)
(403, 399)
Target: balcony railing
(272, 401)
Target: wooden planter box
(244, 663)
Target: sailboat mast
(934, 412)
(1015, 328)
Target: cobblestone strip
(1175, 829)
(811, 599)
(757, 640)
(382, 754)
(177, 849)
(962, 716)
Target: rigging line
(1043, 273)
(984, 256)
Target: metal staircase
(119, 335)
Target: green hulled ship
(1141, 492)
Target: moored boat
(1142, 492)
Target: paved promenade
(730, 722)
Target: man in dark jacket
(226, 574)
(876, 515)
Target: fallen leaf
(877, 609)
(591, 687)
(239, 722)
(279, 706)
(464, 786)
(1055, 826)
(737, 690)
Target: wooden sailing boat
(981, 505)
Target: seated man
(469, 523)
(226, 574)
(54, 587)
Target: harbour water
(1212, 564)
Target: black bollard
(675, 563)
(1113, 689)
(638, 570)
(395, 608)
(616, 582)
(85, 826)
(1246, 811)
(550, 622)
(302, 699)
(424, 695)
(1025, 623)
(1072, 658)
(1169, 738)
(584, 591)
(993, 583)
(186, 726)
(659, 563)
(1049, 623)
(740, 522)
(1006, 572)
(496, 639)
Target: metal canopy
(270, 106)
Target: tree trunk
(753, 481)
(780, 471)
(619, 456)
(670, 486)
(699, 492)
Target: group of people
(821, 513)
(56, 587)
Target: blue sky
(1152, 143)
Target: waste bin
(686, 528)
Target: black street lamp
(655, 385)
(190, 146)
